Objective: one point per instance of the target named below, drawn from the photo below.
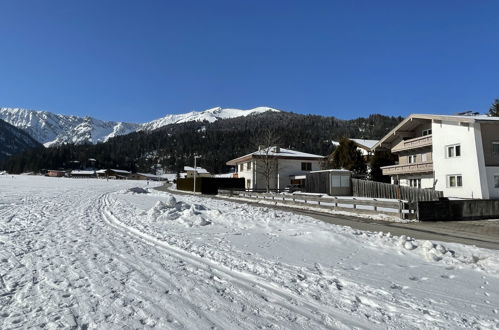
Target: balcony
(419, 142)
(408, 168)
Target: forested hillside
(173, 146)
(14, 140)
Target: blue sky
(139, 60)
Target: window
(339, 181)
(495, 148)
(248, 184)
(426, 132)
(412, 159)
(241, 167)
(424, 158)
(454, 180)
(416, 183)
(496, 181)
(453, 151)
(306, 166)
(248, 166)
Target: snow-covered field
(84, 253)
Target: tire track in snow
(271, 293)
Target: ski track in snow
(85, 254)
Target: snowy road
(91, 254)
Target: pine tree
(494, 109)
(346, 156)
(381, 158)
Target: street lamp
(195, 171)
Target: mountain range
(52, 129)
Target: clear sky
(139, 60)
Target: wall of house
(490, 133)
(418, 131)
(246, 173)
(255, 177)
(492, 171)
(289, 167)
(426, 180)
(470, 164)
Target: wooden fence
(398, 208)
(372, 189)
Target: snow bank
(171, 210)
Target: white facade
(469, 164)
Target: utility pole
(195, 171)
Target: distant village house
(289, 167)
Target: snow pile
(189, 215)
(137, 190)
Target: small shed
(332, 182)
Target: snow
(282, 153)
(199, 170)
(54, 129)
(94, 254)
(210, 115)
(366, 143)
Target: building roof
(334, 170)
(283, 153)
(415, 119)
(199, 170)
(224, 175)
(82, 172)
(120, 171)
(101, 171)
(365, 143)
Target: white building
(200, 172)
(284, 166)
(458, 155)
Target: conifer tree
(494, 109)
(346, 156)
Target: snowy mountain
(54, 129)
(210, 115)
(14, 140)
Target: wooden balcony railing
(408, 168)
(419, 142)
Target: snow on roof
(282, 153)
(224, 175)
(82, 172)
(332, 170)
(120, 171)
(199, 170)
(366, 143)
(101, 171)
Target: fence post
(335, 201)
(354, 205)
(401, 204)
(375, 206)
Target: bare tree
(266, 160)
